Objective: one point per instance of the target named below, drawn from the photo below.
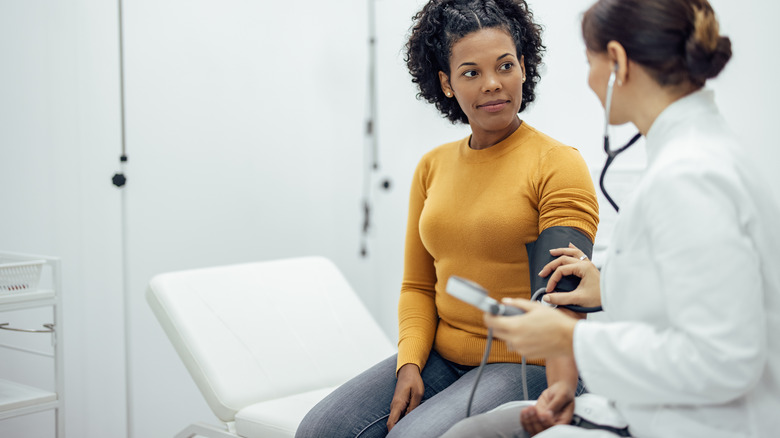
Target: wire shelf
(19, 276)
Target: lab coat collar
(678, 114)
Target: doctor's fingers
(571, 251)
(513, 335)
(562, 260)
(531, 421)
(564, 298)
(588, 291)
(505, 327)
(515, 329)
(567, 266)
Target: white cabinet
(20, 292)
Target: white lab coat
(691, 289)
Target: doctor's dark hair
(441, 23)
(675, 40)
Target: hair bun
(706, 51)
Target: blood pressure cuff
(539, 255)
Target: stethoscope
(611, 154)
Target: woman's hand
(572, 261)
(409, 391)
(554, 406)
(540, 332)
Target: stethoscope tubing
(611, 154)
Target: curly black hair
(441, 23)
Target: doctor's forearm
(561, 369)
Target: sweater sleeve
(565, 191)
(417, 315)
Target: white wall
(58, 146)
(244, 133)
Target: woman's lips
(493, 106)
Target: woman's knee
(353, 408)
(316, 421)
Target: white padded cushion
(261, 331)
(277, 418)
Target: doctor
(690, 286)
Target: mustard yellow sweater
(471, 212)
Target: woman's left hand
(540, 332)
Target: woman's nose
(491, 83)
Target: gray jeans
(360, 407)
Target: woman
(474, 205)
(689, 286)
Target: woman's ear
(445, 84)
(617, 56)
(522, 66)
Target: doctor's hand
(572, 261)
(554, 406)
(409, 391)
(540, 332)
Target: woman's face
(598, 78)
(598, 75)
(487, 78)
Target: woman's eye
(506, 66)
(469, 73)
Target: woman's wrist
(567, 327)
(561, 370)
(408, 368)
